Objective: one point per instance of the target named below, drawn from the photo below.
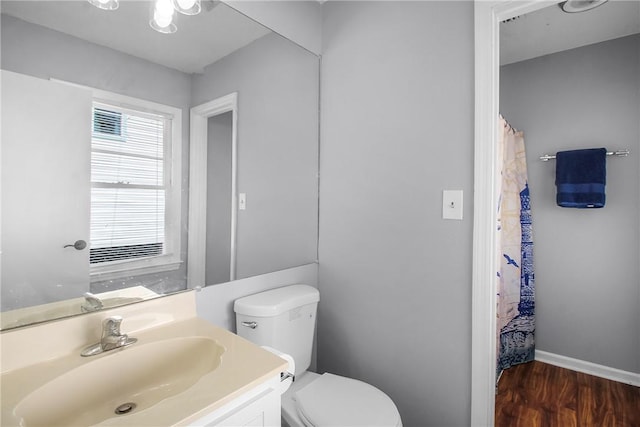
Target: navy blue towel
(581, 177)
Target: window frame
(171, 260)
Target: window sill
(134, 268)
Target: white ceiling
(551, 30)
(220, 30)
(200, 40)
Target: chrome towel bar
(619, 153)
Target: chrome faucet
(111, 338)
(91, 303)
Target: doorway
(489, 16)
(219, 116)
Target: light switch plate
(242, 201)
(452, 204)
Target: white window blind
(128, 184)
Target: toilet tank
(282, 318)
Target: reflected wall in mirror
(78, 52)
(277, 132)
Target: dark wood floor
(536, 394)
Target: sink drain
(125, 408)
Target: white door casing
(196, 264)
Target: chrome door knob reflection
(78, 245)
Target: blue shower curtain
(515, 299)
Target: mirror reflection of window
(133, 196)
(127, 186)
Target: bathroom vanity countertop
(243, 366)
(60, 309)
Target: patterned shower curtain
(515, 306)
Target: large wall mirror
(96, 113)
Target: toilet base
(290, 416)
(337, 384)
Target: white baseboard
(589, 368)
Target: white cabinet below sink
(259, 407)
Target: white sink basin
(142, 374)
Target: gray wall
(299, 21)
(277, 85)
(397, 129)
(218, 244)
(40, 52)
(586, 261)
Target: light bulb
(162, 21)
(164, 8)
(186, 4)
(163, 17)
(187, 7)
(105, 4)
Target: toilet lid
(332, 400)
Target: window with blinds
(129, 176)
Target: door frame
(196, 261)
(487, 17)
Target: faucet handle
(111, 325)
(91, 297)
(111, 337)
(91, 303)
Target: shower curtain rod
(619, 153)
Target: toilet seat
(332, 400)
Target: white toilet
(284, 319)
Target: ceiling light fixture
(575, 6)
(187, 7)
(105, 4)
(162, 17)
(162, 11)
